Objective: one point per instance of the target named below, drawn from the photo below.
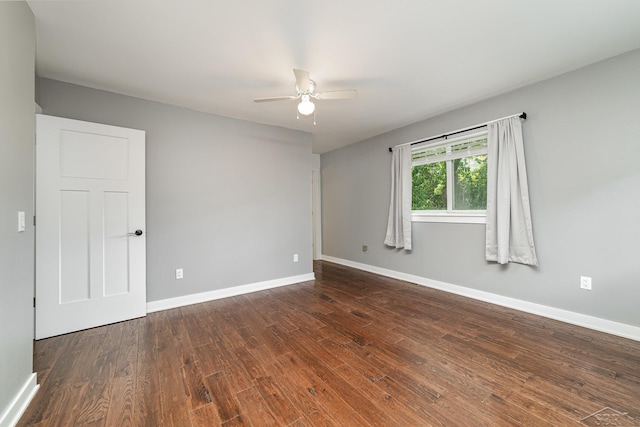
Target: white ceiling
(408, 59)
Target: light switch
(21, 222)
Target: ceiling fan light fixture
(306, 94)
(306, 107)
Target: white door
(90, 202)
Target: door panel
(116, 248)
(74, 246)
(90, 266)
(87, 155)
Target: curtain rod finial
(390, 150)
(523, 116)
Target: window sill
(457, 217)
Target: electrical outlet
(585, 283)
(295, 257)
(365, 248)
(179, 273)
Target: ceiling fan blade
(302, 79)
(338, 94)
(277, 98)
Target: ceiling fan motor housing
(310, 91)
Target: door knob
(135, 233)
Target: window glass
(430, 186)
(470, 183)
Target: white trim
(457, 217)
(16, 408)
(591, 322)
(168, 303)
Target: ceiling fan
(306, 92)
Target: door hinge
(34, 302)
(34, 220)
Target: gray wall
(317, 209)
(582, 143)
(17, 44)
(228, 201)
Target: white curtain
(509, 230)
(399, 225)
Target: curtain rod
(522, 115)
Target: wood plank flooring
(350, 348)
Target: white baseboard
(168, 303)
(591, 322)
(16, 408)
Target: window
(450, 180)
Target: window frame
(450, 215)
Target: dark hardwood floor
(350, 348)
